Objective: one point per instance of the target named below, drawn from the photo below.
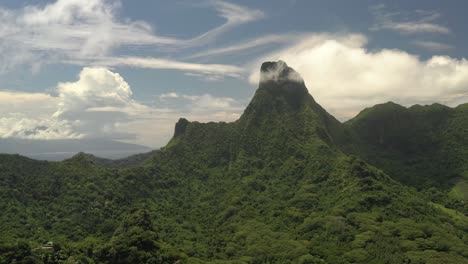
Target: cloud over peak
(345, 77)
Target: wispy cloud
(157, 63)
(76, 31)
(248, 44)
(170, 95)
(70, 29)
(205, 104)
(208, 77)
(432, 45)
(234, 14)
(420, 21)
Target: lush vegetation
(286, 183)
(421, 146)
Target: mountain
(127, 162)
(422, 146)
(286, 183)
(61, 149)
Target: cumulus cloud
(345, 77)
(99, 104)
(95, 103)
(96, 87)
(93, 106)
(421, 21)
(28, 115)
(28, 127)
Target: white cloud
(345, 77)
(92, 106)
(421, 21)
(96, 103)
(28, 115)
(33, 128)
(96, 87)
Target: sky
(128, 70)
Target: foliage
(286, 183)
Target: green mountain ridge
(130, 161)
(286, 183)
(423, 146)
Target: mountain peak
(269, 65)
(282, 99)
(278, 71)
(278, 80)
(180, 127)
(282, 103)
(82, 158)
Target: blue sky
(127, 70)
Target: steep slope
(279, 179)
(282, 109)
(282, 119)
(272, 187)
